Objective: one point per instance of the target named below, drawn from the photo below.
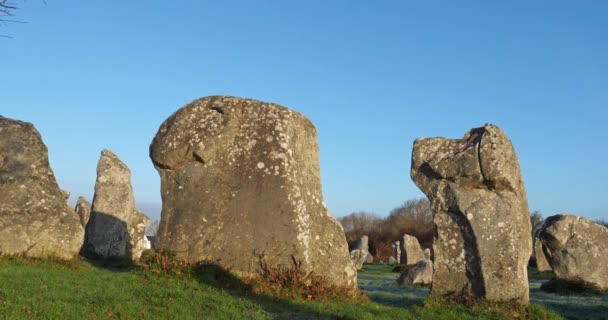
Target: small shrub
(294, 282)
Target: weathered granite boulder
(427, 254)
(240, 182)
(420, 273)
(410, 250)
(480, 208)
(83, 210)
(116, 229)
(359, 257)
(396, 251)
(542, 264)
(578, 250)
(35, 218)
(392, 260)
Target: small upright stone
(241, 183)
(578, 250)
(482, 243)
(420, 273)
(362, 244)
(116, 229)
(542, 264)
(410, 250)
(427, 254)
(396, 251)
(83, 210)
(35, 218)
(359, 257)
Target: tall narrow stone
(411, 252)
(240, 183)
(542, 264)
(83, 210)
(35, 218)
(480, 208)
(116, 229)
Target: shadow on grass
(380, 285)
(215, 276)
(113, 265)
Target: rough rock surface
(411, 252)
(578, 250)
(35, 218)
(359, 257)
(480, 208)
(420, 273)
(240, 182)
(83, 210)
(542, 264)
(116, 229)
(396, 251)
(427, 254)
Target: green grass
(43, 289)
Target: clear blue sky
(371, 75)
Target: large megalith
(35, 218)
(116, 229)
(577, 250)
(482, 242)
(240, 183)
(411, 252)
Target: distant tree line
(413, 217)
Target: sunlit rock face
(542, 264)
(482, 243)
(35, 218)
(240, 183)
(411, 252)
(577, 250)
(116, 229)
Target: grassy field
(82, 290)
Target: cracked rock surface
(482, 242)
(35, 218)
(577, 250)
(240, 182)
(115, 229)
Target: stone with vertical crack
(35, 218)
(482, 243)
(577, 250)
(116, 229)
(240, 182)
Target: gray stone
(362, 243)
(359, 257)
(542, 264)
(240, 183)
(427, 254)
(578, 250)
(116, 229)
(369, 258)
(480, 208)
(396, 251)
(410, 250)
(392, 260)
(83, 210)
(420, 273)
(35, 218)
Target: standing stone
(240, 183)
(482, 243)
(410, 250)
(359, 257)
(420, 273)
(542, 264)
(392, 260)
(362, 244)
(35, 218)
(116, 229)
(427, 254)
(83, 210)
(396, 251)
(578, 250)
